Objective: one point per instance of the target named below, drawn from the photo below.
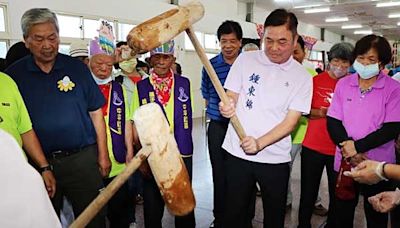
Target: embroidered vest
(183, 122)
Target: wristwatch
(46, 168)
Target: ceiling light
(398, 23)
(351, 26)
(317, 10)
(363, 32)
(394, 15)
(307, 6)
(337, 19)
(387, 4)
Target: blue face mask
(100, 81)
(368, 71)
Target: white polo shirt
(267, 91)
(24, 202)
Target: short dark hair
(379, 43)
(178, 68)
(280, 17)
(16, 52)
(342, 50)
(228, 27)
(120, 43)
(142, 64)
(300, 41)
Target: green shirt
(14, 117)
(300, 131)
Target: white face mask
(101, 81)
(368, 71)
(338, 71)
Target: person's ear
(26, 42)
(381, 66)
(296, 37)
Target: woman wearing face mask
(318, 149)
(363, 121)
(128, 76)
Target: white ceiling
(362, 12)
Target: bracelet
(383, 170)
(46, 168)
(379, 171)
(398, 199)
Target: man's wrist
(45, 168)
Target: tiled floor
(202, 186)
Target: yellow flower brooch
(65, 84)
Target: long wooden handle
(97, 204)
(214, 80)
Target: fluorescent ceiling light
(337, 19)
(398, 23)
(394, 15)
(363, 32)
(317, 10)
(387, 4)
(351, 26)
(307, 6)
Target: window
(3, 49)
(64, 49)
(2, 19)
(211, 55)
(188, 42)
(69, 26)
(123, 31)
(91, 27)
(315, 55)
(211, 41)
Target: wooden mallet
(167, 166)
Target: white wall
(309, 30)
(346, 39)
(136, 11)
(332, 37)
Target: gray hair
(343, 51)
(250, 47)
(37, 16)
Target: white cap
(79, 49)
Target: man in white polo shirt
(23, 196)
(269, 91)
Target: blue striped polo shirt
(208, 91)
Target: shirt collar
(283, 66)
(378, 84)
(221, 60)
(32, 66)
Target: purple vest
(182, 110)
(116, 122)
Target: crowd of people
(73, 118)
